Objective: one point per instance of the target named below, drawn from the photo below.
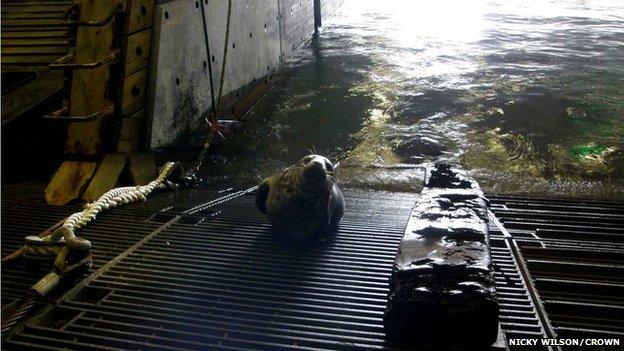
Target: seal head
(303, 200)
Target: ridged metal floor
(574, 251)
(32, 32)
(20, 219)
(218, 279)
(111, 234)
(215, 278)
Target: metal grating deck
(111, 234)
(574, 251)
(20, 219)
(33, 36)
(213, 277)
(225, 282)
(32, 32)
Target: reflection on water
(529, 98)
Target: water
(528, 96)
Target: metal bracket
(62, 114)
(65, 62)
(70, 17)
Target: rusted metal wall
(217, 55)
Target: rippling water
(527, 96)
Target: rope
(14, 256)
(65, 233)
(213, 121)
(29, 302)
(110, 199)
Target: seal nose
(316, 169)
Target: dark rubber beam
(441, 290)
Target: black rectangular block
(442, 290)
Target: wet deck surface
(525, 97)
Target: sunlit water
(528, 96)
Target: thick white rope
(110, 199)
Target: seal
(303, 200)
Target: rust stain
(69, 181)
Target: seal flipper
(261, 196)
(338, 206)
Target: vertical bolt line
(205, 30)
(225, 50)
(279, 28)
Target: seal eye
(328, 166)
(307, 159)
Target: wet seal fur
(303, 200)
